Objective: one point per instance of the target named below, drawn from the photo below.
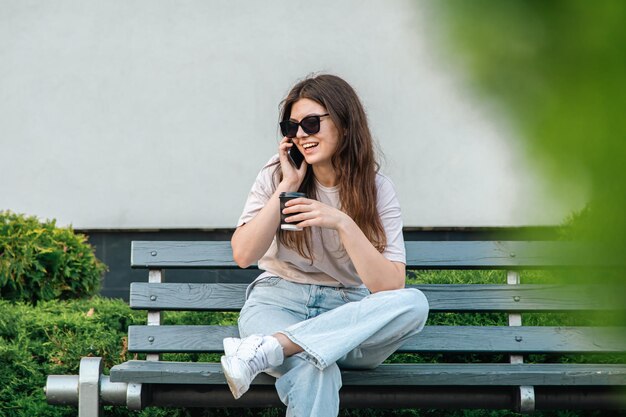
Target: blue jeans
(336, 327)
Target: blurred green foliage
(39, 261)
(557, 69)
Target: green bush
(39, 261)
(50, 338)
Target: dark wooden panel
(393, 374)
(420, 255)
(450, 297)
(431, 339)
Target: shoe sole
(235, 389)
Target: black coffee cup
(284, 197)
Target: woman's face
(317, 148)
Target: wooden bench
(509, 383)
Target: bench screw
(151, 339)
(153, 298)
(516, 298)
(518, 338)
(512, 255)
(153, 253)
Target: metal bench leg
(135, 397)
(89, 387)
(526, 399)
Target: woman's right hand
(291, 175)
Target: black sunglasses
(310, 125)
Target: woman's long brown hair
(354, 160)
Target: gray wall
(158, 114)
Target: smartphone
(296, 156)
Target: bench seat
(427, 374)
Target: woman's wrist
(344, 225)
(287, 186)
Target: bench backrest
(511, 297)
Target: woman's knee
(413, 304)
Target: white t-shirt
(331, 263)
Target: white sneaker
(231, 344)
(246, 358)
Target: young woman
(332, 295)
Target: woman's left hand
(307, 212)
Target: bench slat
(177, 254)
(439, 339)
(452, 297)
(420, 255)
(393, 374)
